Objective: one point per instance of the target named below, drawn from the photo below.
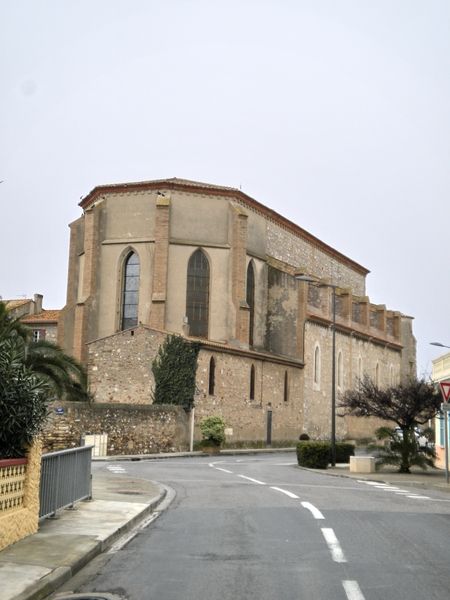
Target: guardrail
(65, 479)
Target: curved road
(258, 527)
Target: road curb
(56, 578)
(169, 455)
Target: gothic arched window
(130, 291)
(316, 377)
(251, 300)
(197, 294)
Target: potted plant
(213, 434)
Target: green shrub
(315, 455)
(343, 452)
(24, 401)
(213, 430)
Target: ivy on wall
(174, 370)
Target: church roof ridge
(175, 183)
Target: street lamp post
(307, 279)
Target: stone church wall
(291, 249)
(119, 366)
(120, 372)
(356, 353)
(247, 419)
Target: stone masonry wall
(358, 357)
(130, 429)
(120, 372)
(119, 366)
(291, 249)
(246, 419)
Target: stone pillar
(239, 274)
(23, 518)
(160, 265)
(301, 318)
(71, 295)
(88, 283)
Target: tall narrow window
(130, 293)
(251, 300)
(286, 387)
(360, 369)
(197, 294)
(377, 374)
(317, 366)
(212, 376)
(252, 382)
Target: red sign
(445, 389)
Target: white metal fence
(65, 478)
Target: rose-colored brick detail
(162, 228)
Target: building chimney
(38, 303)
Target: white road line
(251, 479)
(352, 590)
(371, 482)
(416, 497)
(337, 553)
(390, 488)
(224, 470)
(315, 511)
(290, 494)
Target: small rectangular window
(252, 382)
(38, 334)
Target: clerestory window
(130, 291)
(197, 294)
(251, 300)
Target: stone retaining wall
(131, 429)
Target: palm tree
(66, 377)
(10, 326)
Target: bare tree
(407, 405)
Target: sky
(334, 113)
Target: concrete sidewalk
(39, 564)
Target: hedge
(317, 454)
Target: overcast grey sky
(335, 113)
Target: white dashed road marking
(352, 590)
(290, 494)
(315, 511)
(394, 489)
(417, 497)
(337, 553)
(252, 480)
(224, 470)
(116, 469)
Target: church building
(214, 265)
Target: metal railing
(65, 478)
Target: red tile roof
(46, 316)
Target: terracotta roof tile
(46, 316)
(12, 304)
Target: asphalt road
(261, 528)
